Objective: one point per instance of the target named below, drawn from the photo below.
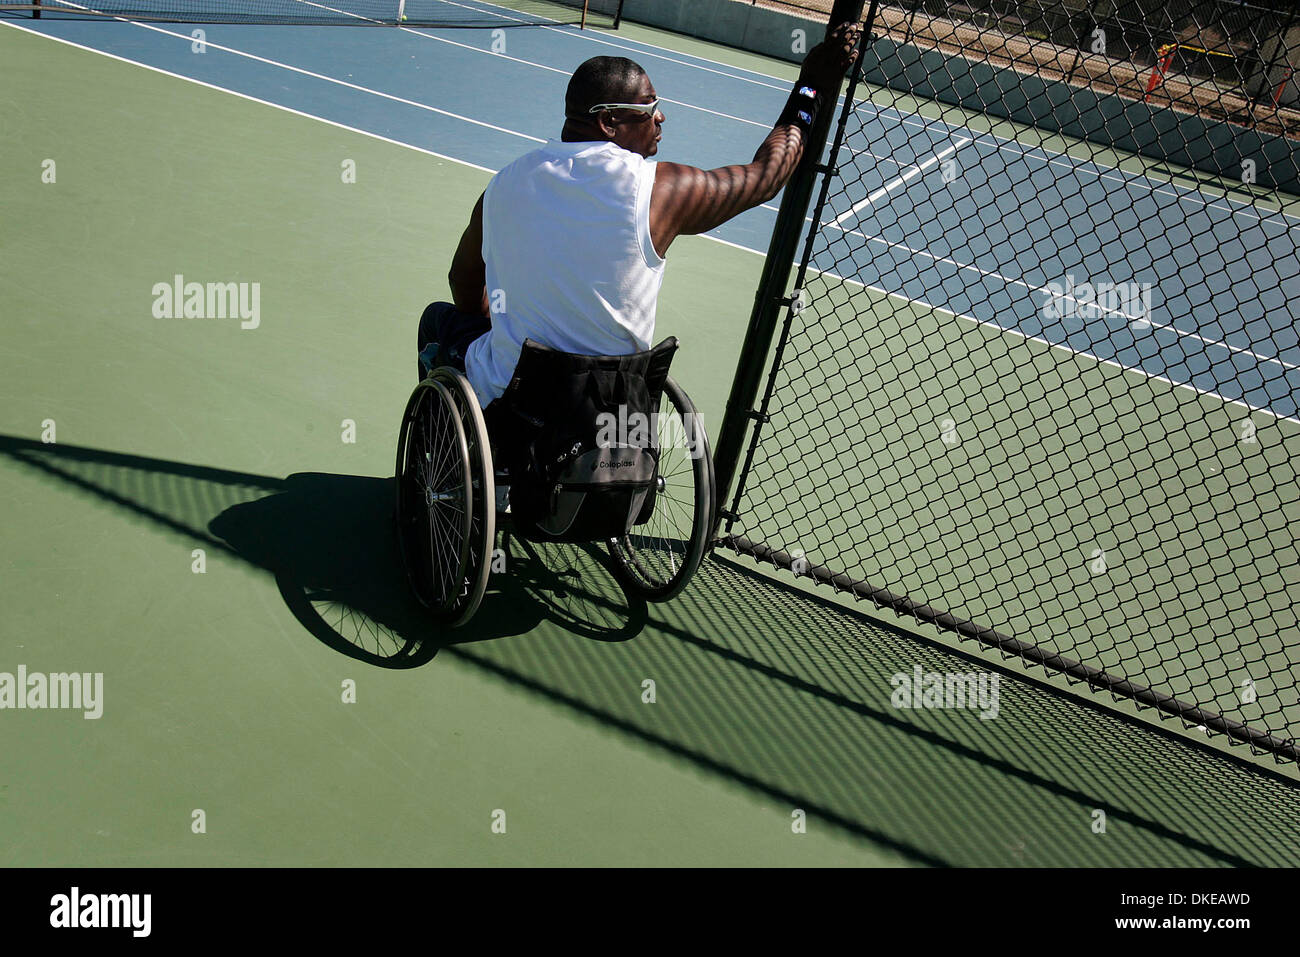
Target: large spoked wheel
(655, 560)
(439, 521)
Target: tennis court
(1114, 477)
(335, 169)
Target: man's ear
(607, 126)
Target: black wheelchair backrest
(577, 435)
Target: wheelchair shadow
(329, 541)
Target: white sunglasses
(649, 109)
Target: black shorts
(452, 330)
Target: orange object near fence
(1277, 95)
(1166, 60)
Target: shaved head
(602, 79)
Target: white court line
(583, 35)
(1064, 348)
(854, 282)
(567, 73)
(1032, 288)
(514, 59)
(910, 174)
(783, 87)
(316, 76)
(244, 96)
(779, 84)
(1089, 166)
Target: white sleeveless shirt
(570, 263)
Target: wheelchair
(649, 494)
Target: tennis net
(429, 13)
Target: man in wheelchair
(566, 245)
(554, 287)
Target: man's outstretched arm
(689, 200)
(468, 274)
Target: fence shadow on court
(775, 690)
(790, 695)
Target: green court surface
(1060, 458)
(224, 691)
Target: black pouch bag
(578, 436)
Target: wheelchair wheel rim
(657, 558)
(434, 511)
